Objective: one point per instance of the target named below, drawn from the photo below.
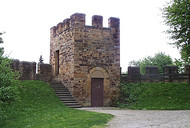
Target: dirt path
(145, 118)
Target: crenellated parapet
(44, 72)
(114, 24)
(152, 74)
(27, 70)
(78, 21)
(62, 26)
(97, 21)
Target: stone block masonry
(27, 70)
(80, 53)
(44, 72)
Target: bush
(8, 81)
(128, 94)
(8, 84)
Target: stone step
(75, 106)
(62, 89)
(59, 88)
(65, 96)
(59, 93)
(55, 83)
(69, 101)
(62, 92)
(72, 104)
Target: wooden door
(97, 92)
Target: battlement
(152, 74)
(27, 70)
(97, 21)
(78, 21)
(61, 26)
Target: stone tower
(86, 59)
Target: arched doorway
(97, 89)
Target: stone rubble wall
(44, 72)
(27, 70)
(152, 75)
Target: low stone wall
(152, 75)
(27, 70)
(44, 72)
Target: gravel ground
(145, 118)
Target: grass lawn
(155, 96)
(39, 107)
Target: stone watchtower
(86, 59)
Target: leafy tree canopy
(177, 17)
(160, 60)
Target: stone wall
(62, 52)
(27, 70)
(152, 75)
(44, 72)
(77, 50)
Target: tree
(177, 17)
(160, 60)
(41, 59)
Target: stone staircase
(64, 95)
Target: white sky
(27, 25)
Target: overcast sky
(27, 25)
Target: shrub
(128, 94)
(8, 84)
(8, 81)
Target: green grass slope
(39, 107)
(155, 96)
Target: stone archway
(97, 74)
(98, 83)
